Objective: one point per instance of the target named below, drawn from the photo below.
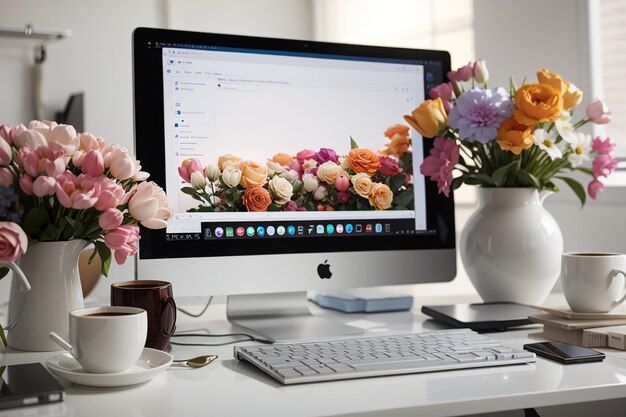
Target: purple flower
(343, 197)
(478, 113)
(324, 155)
(291, 206)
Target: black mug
(156, 297)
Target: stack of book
(582, 329)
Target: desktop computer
(277, 160)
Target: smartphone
(28, 384)
(564, 352)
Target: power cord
(249, 337)
(182, 310)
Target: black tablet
(482, 317)
(28, 384)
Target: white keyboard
(328, 360)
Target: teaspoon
(197, 362)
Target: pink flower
(343, 197)
(389, 166)
(93, 163)
(441, 162)
(444, 91)
(26, 184)
(122, 240)
(110, 219)
(595, 187)
(603, 165)
(325, 155)
(149, 206)
(305, 155)
(602, 146)
(6, 177)
(291, 206)
(13, 242)
(188, 167)
(6, 153)
(598, 112)
(295, 165)
(342, 183)
(64, 135)
(6, 133)
(110, 194)
(462, 74)
(44, 185)
(49, 160)
(76, 192)
(31, 138)
(121, 163)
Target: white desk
(228, 387)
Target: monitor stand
(283, 317)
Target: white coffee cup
(106, 339)
(593, 282)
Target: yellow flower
(553, 80)
(536, 103)
(429, 118)
(572, 96)
(515, 137)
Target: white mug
(106, 339)
(593, 282)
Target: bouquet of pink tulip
(58, 185)
(523, 137)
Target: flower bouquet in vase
(61, 191)
(517, 144)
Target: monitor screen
(277, 159)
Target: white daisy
(580, 144)
(563, 125)
(546, 141)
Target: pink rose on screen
(342, 183)
(188, 167)
(305, 154)
(600, 145)
(26, 184)
(6, 177)
(441, 162)
(445, 92)
(598, 112)
(343, 197)
(149, 206)
(291, 206)
(6, 133)
(110, 219)
(44, 186)
(49, 160)
(325, 155)
(603, 165)
(93, 164)
(389, 166)
(122, 240)
(295, 165)
(13, 242)
(594, 188)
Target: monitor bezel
(148, 108)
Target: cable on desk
(249, 337)
(530, 412)
(182, 310)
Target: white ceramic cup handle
(24, 286)
(614, 273)
(61, 342)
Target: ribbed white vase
(52, 270)
(511, 246)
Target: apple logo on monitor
(323, 270)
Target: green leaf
(577, 187)
(35, 222)
(397, 181)
(457, 182)
(403, 199)
(500, 175)
(584, 169)
(189, 190)
(297, 186)
(527, 178)
(105, 256)
(353, 144)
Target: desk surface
(233, 388)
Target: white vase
(511, 246)
(52, 270)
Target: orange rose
(363, 160)
(515, 137)
(554, 80)
(429, 118)
(362, 184)
(536, 103)
(252, 174)
(399, 141)
(257, 199)
(282, 158)
(380, 196)
(572, 96)
(397, 129)
(228, 159)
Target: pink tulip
(44, 186)
(110, 194)
(6, 133)
(87, 142)
(64, 135)
(603, 165)
(110, 219)
(594, 188)
(49, 160)
(26, 184)
(6, 177)
(598, 112)
(441, 162)
(481, 74)
(342, 183)
(31, 138)
(149, 206)
(6, 152)
(76, 192)
(93, 163)
(444, 91)
(462, 74)
(13, 242)
(602, 146)
(122, 240)
(188, 167)
(121, 163)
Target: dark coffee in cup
(156, 297)
(108, 314)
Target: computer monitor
(279, 119)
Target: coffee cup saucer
(150, 364)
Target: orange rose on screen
(380, 196)
(257, 199)
(537, 103)
(554, 80)
(228, 159)
(363, 160)
(429, 118)
(282, 158)
(515, 137)
(362, 184)
(399, 141)
(252, 174)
